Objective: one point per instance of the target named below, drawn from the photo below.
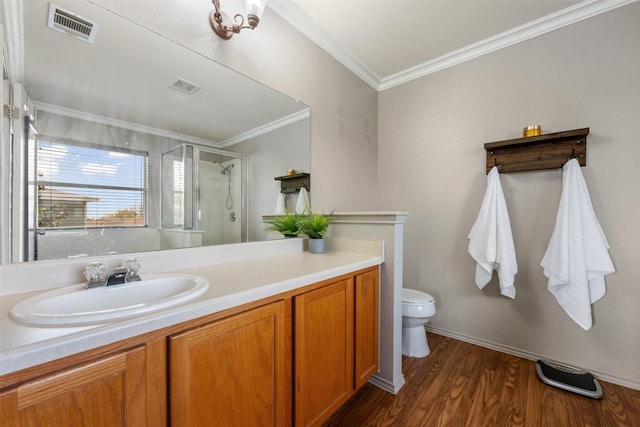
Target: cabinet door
(106, 392)
(366, 326)
(323, 349)
(233, 372)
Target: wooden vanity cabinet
(233, 372)
(335, 345)
(291, 359)
(367, 326)
(323, 351)
(108, 391)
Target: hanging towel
(280, 206)
(302, 205)
(577, 258)
(491, 241)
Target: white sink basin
(76, 306)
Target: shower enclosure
(202, 194)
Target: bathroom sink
(76, 306)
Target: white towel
(491, 241)
(577, 258)
(280, 205)
(302, 205)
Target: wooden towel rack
(293, 183)
(549, 151)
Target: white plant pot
(316, 246)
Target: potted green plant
(288, 224)
(314, 226)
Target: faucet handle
(94, 271)
(133, 269)
(95, 274)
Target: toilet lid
(411, 296)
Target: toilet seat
(412, 296)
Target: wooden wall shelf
(293, 183)
(549, 151)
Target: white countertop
(230, 284)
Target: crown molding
(276, 124)
(94, 118)
(269, 127)
(554, 21)
(303, 24)
(576, 13)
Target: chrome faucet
(116, 277)
(96, 276)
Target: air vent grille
(70, 23)
(186, 86)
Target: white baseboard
(527, 355)
(386, 385)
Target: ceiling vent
(70, 23)
(185, 86)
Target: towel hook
(573, 150)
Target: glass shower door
(178, 188)
(202, 193)
(219, 198)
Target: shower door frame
(197, 149)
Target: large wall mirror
(131, 142)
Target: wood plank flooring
(460, 384)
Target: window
(83, 186)
(178, 192)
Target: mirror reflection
(135, 143)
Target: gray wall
(343, 107)
(421, 150)
(431, 164)
(268, 156)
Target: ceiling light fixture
(225, 28)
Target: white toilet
(417, 308)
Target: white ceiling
(388, 42)
(121, 79)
